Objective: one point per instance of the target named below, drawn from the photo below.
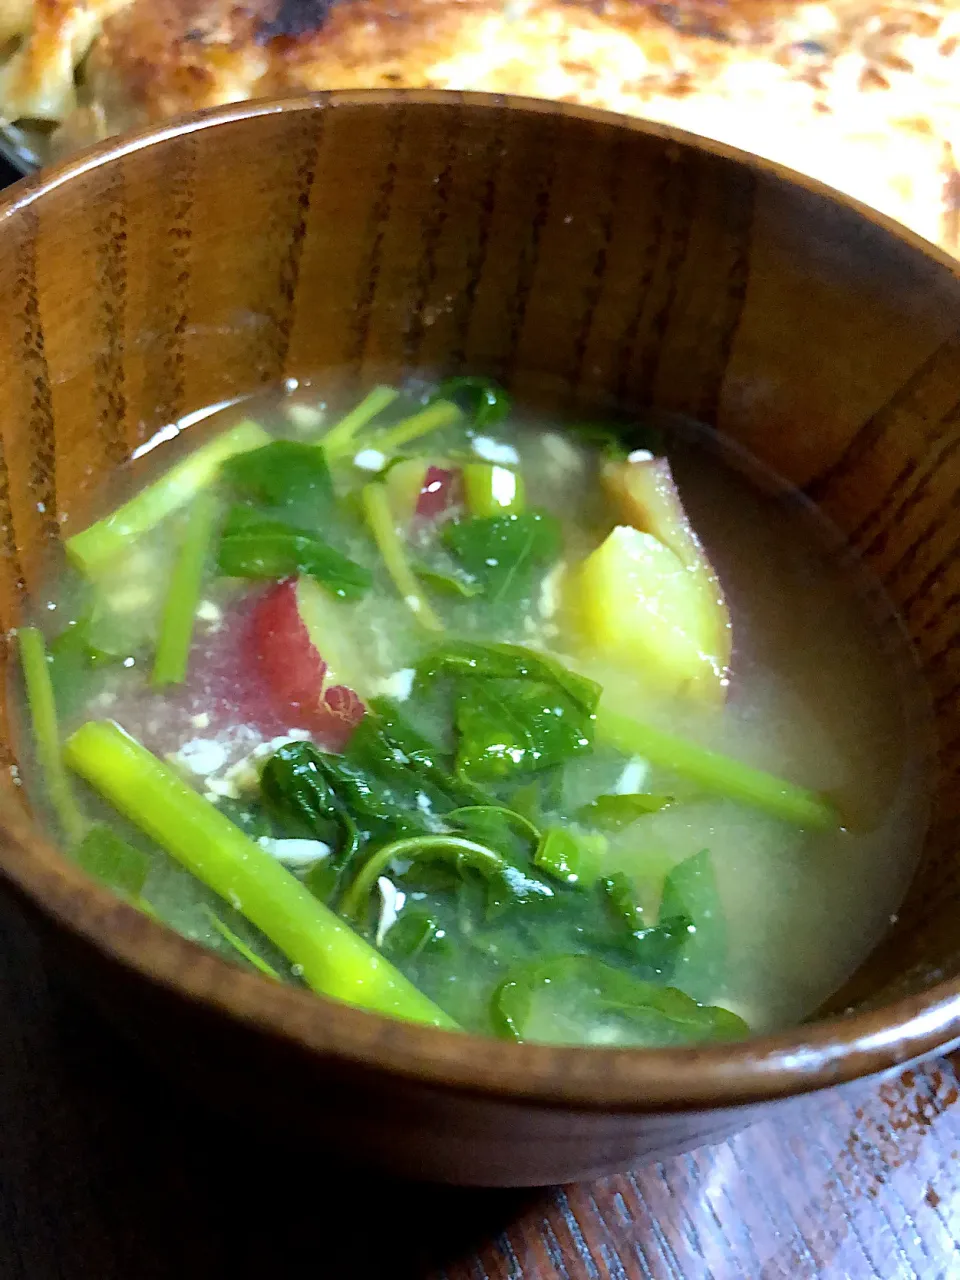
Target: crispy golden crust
(863, 94)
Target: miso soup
(554, 731)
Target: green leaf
(505, 553)
(286, 474)
(690, 890)
(469, 658)
(654, 948)
(380, 791)
(577, 999)
(395, 732)
(511, 885)
(297, 794)
(621, 897)
(614, 812)
(71, 658)
(616, 440)
(512, 727)
(480, 398)
(323, 879)
(572, 857)
(503, 829)
(255, 546)
(415, 932)
(540, 797)
(108, 858)
(452, 583)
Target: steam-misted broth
(532, 841)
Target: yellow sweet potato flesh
(634, 602)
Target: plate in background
(24, 148)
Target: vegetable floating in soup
(482, 721)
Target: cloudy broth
(527, 866)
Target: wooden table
(107, 1173)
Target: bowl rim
(805, 1058)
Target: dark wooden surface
(108, 1173)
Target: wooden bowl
(588, 258)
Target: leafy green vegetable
(614, 812)
(653, 948)
(462, 658)
(332, 958)
(595, 436)
(288, 475)
(46, 733)
(511, 727)
(499, 826)
(614, 442)
(71, 657)
(238, 944)
(574, 857)
(255, 546)
(414, 932)
(622, 897)
(183, 594)
(380, 793)
(111, 860)
(324, 879)
(97, 547)
(457, 850)
(715, 772)
(505, 553)
(297, 794)
(575, 999)
(481, 398)
(539, 796)
(690, 891)
(395, 732)
(453, 582)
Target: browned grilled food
(863, 95)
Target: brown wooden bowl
(584, 256)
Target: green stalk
(96, 548)
(331, 957)
(477, 855)
(46, 734)
(716, 772)
(376, 508)
(339, 439)
(492, 490)
(241, 947)
(183, 595)
(442, 413)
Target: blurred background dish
(861, 94)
